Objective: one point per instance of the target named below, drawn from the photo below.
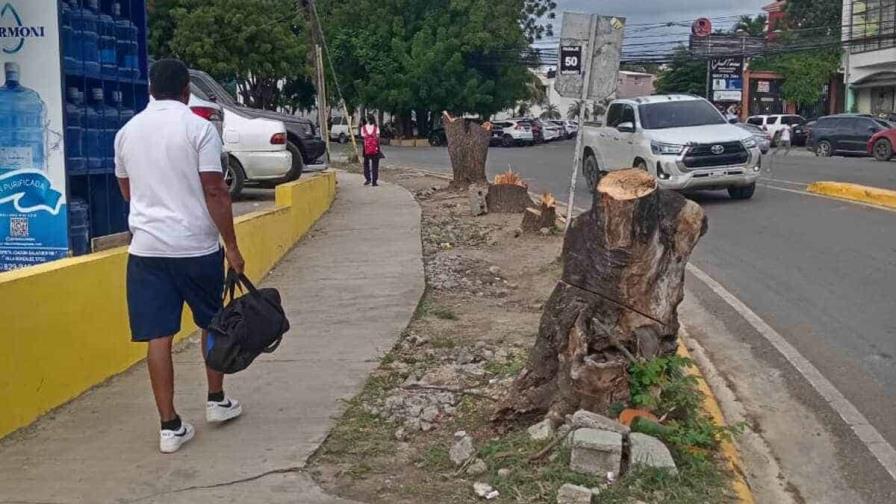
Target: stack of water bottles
(99, 44)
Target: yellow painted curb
(729, 451)
(855, 192)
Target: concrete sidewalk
(350, 287)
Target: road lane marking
(781, 181)
(870, 437)
(851, 202)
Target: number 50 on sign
(570, 60)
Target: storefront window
(873, 25)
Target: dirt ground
(486, 286)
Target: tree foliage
(261, 45)
(753, 26)
(684, 74)
(432, 55)
(822, 16)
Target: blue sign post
(33, 210)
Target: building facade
(870, 59)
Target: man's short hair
(168, 78)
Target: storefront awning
(880, 79)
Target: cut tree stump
(508, 198)
(623, 279)
(468, 144)
(542, 216)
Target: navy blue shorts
(159, 286)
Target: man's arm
(124, 184)
(217, 200)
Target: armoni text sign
(33, 214)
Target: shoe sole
(230, 415)
(187, 437)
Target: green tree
(685, 74)
(260, 44)
(551, 111)
(425, 56)
(161, 26)
(753, 26)
(822, 16)
(572, 113)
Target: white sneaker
(222, 411)
(170, 441)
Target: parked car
(880, 145)
(254, 149)
(682, 140)
(762, 137)
(302, 139)
(535, 127)
(437, 136)
(514, 132)
(776, 122)
(339, 130)
(844, 134)
(572, 128)
(551, 131)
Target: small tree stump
(543, 216)
(468, 144)
(508, 198)
(623, 279)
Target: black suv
(301, 136)
(844, 133)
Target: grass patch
(443, 313)
(443, 342)
(698, 480)
(510, 367)
(427, 308)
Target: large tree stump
(623, 279)
(468, 144)
(542, 216)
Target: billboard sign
(570, 60)
(727, 78)
(33, 212)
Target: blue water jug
(110, 120)
(94, 132)
(108, 43)
(126, 34)
(23, 121)
(90, 51)
(125, 113)
(74, 131)
(70, 41)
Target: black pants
(372, 173)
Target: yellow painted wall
(64, 325)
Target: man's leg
(161, 375)
(215, 379)
(376, 169)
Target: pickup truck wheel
(824, 149)
(342, 138)
(298, 163)
(507, 141)
(640, 164)
(742, 193)
(235, 177)
(883, 150)
(591, 171)
(435, 140)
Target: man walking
(786, 134)
(168, 164)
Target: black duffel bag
(248, 326)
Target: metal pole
(577, 158)
(322, 109)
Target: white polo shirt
(161, 151)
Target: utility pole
(323, 111)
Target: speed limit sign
(570, 60)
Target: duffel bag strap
(231, 283)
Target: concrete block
(584, 419)
(596, 452)
(651, 452)
(541, 431)
(573, 494)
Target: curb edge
(855, 192)
(711, 407)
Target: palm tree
(523, 110)
(551, 111)
(752, 26)
(576, 107)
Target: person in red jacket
(370, 133)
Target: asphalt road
(820, 272)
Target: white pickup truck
(681, 139)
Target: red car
(880, 145)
